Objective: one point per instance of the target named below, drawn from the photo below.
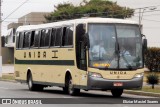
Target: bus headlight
(139, 75)
(93, 74)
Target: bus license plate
(118, 84)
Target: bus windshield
(115, 46)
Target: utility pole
(0, 39)
(141, 11)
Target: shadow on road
(85, 97)
(83, 94)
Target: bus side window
(21, 40)
(32, 35)
(58, 37)
(14, 32)
(17, 40)
(37, 39)
(53, 36)
(47, 36)
(42, 38)
(26, 40)
(80, 49)
(67, 39)
(70, 36)
(64, 36)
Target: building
(8, 41)
(33, 18)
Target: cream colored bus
(87, 53)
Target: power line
(90, 13)
(146, 7)
(152, 20)
(147, 11)
(149, 19)
(26, 17)
(151, 15)
(25, 21)
(98, 13)
(15, 10)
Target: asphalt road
(91, 98)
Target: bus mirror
(145, 44)
(86, 40)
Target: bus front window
(130, 46)
(102, 45)
(114, 46)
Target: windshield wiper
(128, 65)
(117, 51)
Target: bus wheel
(31, 86)
(117, 92)
(71, 90)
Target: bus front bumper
(106, 84)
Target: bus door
(81, 55)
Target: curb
(7, 80)
(7, 74)
(143, 93)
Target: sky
(150, 21)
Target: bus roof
(74, 21)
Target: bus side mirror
(86, 40)
(145, 44)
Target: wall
(7, 55)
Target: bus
(87, 53)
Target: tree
(152, 59)
(152, 79)
(93, 8)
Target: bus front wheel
(71, 90)
(117, 92)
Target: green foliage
(152, 59)
(152, 79)
(93, 8)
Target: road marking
(32, 92)
(3, 88)
(67, 97)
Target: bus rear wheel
(117, 92)
(31, 86)
(70, 89)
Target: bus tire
(31, 86)
(65, 90)
(117, 92)
(71, 90)
(39, 87)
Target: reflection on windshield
(115, 46)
